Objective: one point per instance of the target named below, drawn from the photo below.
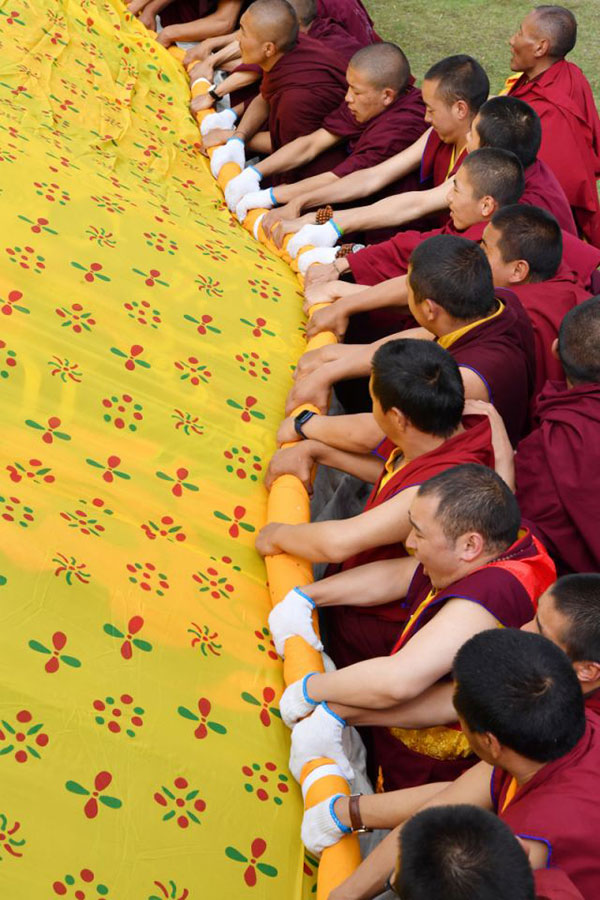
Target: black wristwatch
(300, 420)
(213, 93)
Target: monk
(302, 83)
(482, 571)
(418, 400)
(563, 99)
(188, 20)
(487, 180)
(352, 15)
(453, 90)
(382, 114)
(557, 467)
(452, 298)
(520, 705)
(523, 245)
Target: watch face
(304, 416)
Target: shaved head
(306, 10)
(497, 173)
(384, 65)
(559, 26)
(275, 21)
(579, 342)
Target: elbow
(335, 549)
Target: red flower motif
(182, 803)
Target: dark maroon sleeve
(380, 262)
(500, 593)
(342, 122)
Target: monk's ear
(430, 309)
(461, 109)
(388, 95)
(587, 672)
(269, 49)
(519, 271)
(488, 206)
(554, 349)
(398, 418)
(543, 48)
(470, 546)
(492, 744)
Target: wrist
(341, 264)
(341, 810)
(334, 804)
(305, 694)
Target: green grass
(428, 30)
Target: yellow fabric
(452, 161)
(448, 339)
(510, 793)
(146, 353)
(390, 466)
(438, 742)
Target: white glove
(248, 180)
(225, 119)
(295, 702)
(321, 827)
(326, 235)
(255, 200)
(323, 255)
(293, 616)
(319, 735)
(233, 151)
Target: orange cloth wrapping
(288, 502)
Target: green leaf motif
(76, 788)
(187, 714)
(250, 699)
(112, 802)
(71, 661)
(142, 645)
(113, 632)
(35, 645)
(232, 853)
(271, 871)
(215, 726)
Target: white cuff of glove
(295, 702)
(319, 736)
(293, 616)
(326, 235)
(242, 184)
(323, 255)
(321, 827)
(233, 151)
(255, 200)
(225, 119)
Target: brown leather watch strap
(356, 821)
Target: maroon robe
(334, 36)
(581, 258)
(435, 169)
(563, 99)
(508, 588)
(380, 262)
(559, 807)
(592, 702)
(543, 189)
(368, 143)
(554, 884)
(547, 303)
(352, 16)
(302, 88)
(358, 633)
(189, 10)
(557, 470)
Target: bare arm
(335, 317)
(357, 433)
(395, 210)
(370, 585)
(222, 21)
(301, 457)
(433, 707)
(427, 657)
(298, 152)
(504, 455)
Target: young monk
(521, 708)
(418, 401)
(563, 99)
(453, 90)
(486, 181)
(523, 245)
(473, 568)
(302, 83)
(451, 295)
(382, 114)
(557, 467)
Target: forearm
(357, 433)
(387, 293)
(390, 808)
(285, 193)
(382, 214)
(376, 684)
(225, 53)
(369, 585)
(296, 153)
(433, 707)
(253, 118)
(351, 187)
(235, 81)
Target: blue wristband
(342, 722)
(273, 201)
(306, 597)
(241, 140)
(305, 692)
(254, 169)
(337, 228)
(345, 829)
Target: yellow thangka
(146, 352)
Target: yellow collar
(390, 466)
(446, 340)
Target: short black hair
(461, 853)
(472, 497)
(560, 25)
(423, 381)
(497, 173)
(579, 342)
(460, 77)
(521, 688)
(455, 273)
(384, 64)
(532, 234)
(508, 123)
(577, 598)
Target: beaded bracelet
(324, 215)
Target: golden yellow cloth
(145, 355)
